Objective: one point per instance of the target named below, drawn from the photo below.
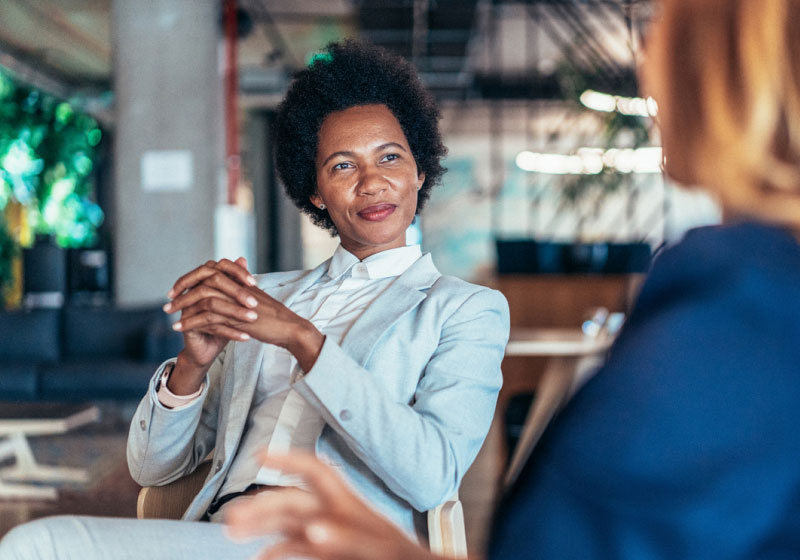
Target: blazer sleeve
(166, 444)
(420, 450)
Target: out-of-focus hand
(327, 522)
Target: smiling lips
(378, 212)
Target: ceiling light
(607, 103)
(591, 161)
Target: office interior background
(135, 145)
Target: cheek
(413, 197)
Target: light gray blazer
(408, 396)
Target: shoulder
(462, 296)
(453, 287)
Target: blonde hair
(726, 75)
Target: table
(19, 421)
(555, 342)
(573, 357)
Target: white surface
(47, 426)
(167, 170)
(234, 234)
(554, 342)
(14, 432)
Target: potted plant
(583, 193)
(48, 151)
(8, 252)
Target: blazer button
(219, 466)
(345, 415)
(142, 424)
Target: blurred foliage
(576, 188)
(8, 250)
(619, 130)
(47, 156)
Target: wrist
(306, 344)
(169, 399)
(186, 377)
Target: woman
(373, 361)
(685, 444)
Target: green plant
(8, 250)
(618, 131)
(47, 155)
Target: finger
(285, 511)
(340, 540)
(241, 261)
(224, 331)
(194, 295)
(207, 320)
(321, 479)
(290, 548)
(233, 289)
(192, 278)
(236, 271)
(220, 306)
(326, 540)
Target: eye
(390, 157)
(342, 165)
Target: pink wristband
(170, 399)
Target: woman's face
(367, 178)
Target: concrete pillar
(278, 240)
(169, 149)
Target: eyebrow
(352, 154)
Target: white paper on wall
(167, 170)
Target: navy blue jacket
(687, 443)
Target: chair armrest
(445, 522)
(446, 533)
(171, 500)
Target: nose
(371, 183)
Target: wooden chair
(171, 500)
(445, 522)
(446, 533)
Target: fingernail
(251, 280)
(251, 301)
(252, 315)
(167, 307)
(244, 336)
(177, 326)
(316, 534)
(171, 293)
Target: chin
(376, 239)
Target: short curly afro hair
(349, 74)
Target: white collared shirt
(279, 418)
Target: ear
(420, 180)
(315, 199)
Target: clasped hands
(219, 302)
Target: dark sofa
(78, 352)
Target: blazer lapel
(242, 371)
(285, 290)
(403, 295)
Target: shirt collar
(392, 262)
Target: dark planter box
(530, 256)
(44, 273)
(44, 267)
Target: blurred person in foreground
(373, 361)
(685, 444)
